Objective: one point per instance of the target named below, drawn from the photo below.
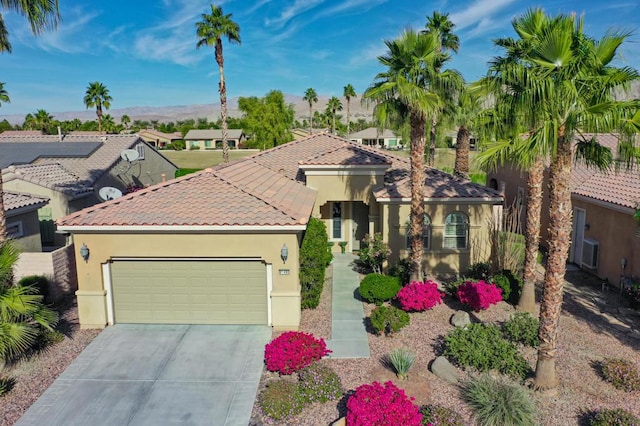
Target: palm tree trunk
(99, 114)
(333, 123)
(222, 88)
(461, 167)
(527, 302)
(348, 119)
(310, 119)
(417, 121)
(559, 241)
(432, 143)
(3, 218)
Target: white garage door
(189, 292)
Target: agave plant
(402, 360)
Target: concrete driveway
(158, 375)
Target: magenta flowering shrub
(419, 296)
(479, 295)
(292, 351)
(378, 405)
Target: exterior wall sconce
(284, 253)
(84, 252)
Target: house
(21, 212)
(221, 246)
(375, 137)
(212, 138)
(159, 140)
(71, 170)
(605, 237)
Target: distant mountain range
(211, 111)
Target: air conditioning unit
(590, 248)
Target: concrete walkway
(158, 375)
(348, 334)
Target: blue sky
(144, 50)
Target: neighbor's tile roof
(50, 175)
(437, 184)
(347, 155)
(16, 200)
(202, 134)
(229, 195)
(373, 133)
(151, 133)
(13, 133)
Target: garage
(171, 291)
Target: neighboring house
(159, 140)
(212, 138)
(605, 237)
(21, 133)
(375, 137)
(71, 173)
(22, 219)
(210, 247)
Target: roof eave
(448, 200)
(180, 228)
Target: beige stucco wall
(617, 233)
(92, 297)
(438, 260)
(30, 240)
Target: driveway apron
(134, 374)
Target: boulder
(342, 421)
(442, 368)
(460, 319)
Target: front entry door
(359, 224)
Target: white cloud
(477, 12)
(295, 9)
(348, 5)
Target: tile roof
(347, 155)
(202, 134)
(12, 133)
(16, 200)
(50, 175)
(437, 184)
(151, 133)
(373, 133)
(225, 196)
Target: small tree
(374, 253)
(314, 258)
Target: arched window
(456, 231)
(426, 232)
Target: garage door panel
(189, 292)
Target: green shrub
(501, 281)
(401, 360)
(6, 384)
(48, 338)
(515, 283)
(314, 259)
(480, 271)
(451, 288)
(482, 347)
(378, 288)
(177, 145)
(621, 373)
(497, 401)
(614, 417)
(402, 270)
(439, 415)
(38, 281)
(281, 400)
(522, 328)
(184, 172)
(373, 252)
(319, 383)
(388, 319)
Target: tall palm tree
(565, 84)
(210, 31)
(125, 120)
(97, 95)
(42, 15)
(4, 97)
(441, 23)
(42, 120)
(349, 92)
(465, 115)
(402, 91)
(108, 123)
(333, 105)
(311, 97)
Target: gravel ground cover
(36, 372)
(591, 329)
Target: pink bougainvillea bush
(381, 405)
(293, 351)
(479, 295)
(419, 296)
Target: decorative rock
(442, 368)
(342, 421)
(460, 319)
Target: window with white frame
(456, 231)
(426, 232)
(15, 230)
(140, 149)
(336, 221)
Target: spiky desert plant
(402, 360)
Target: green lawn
(202, 159)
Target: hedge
(314, 259)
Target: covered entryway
(172, 291)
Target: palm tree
(465, 114)
(311, 97)
(211, 30)
(349, 92)
(108, 123)
(42, 15)
(441, 24)
(4, 97)
(42, 120)
(402, 91)
(333, 105)
(564, 84)
(125, 120)
(97, 95)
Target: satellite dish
(109, 193)
(130, 155)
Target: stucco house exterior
(212, 138)
(70, 171)
(221, 246)
(381, 138)
(158, 139)
(21, 212)
(605, 236)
